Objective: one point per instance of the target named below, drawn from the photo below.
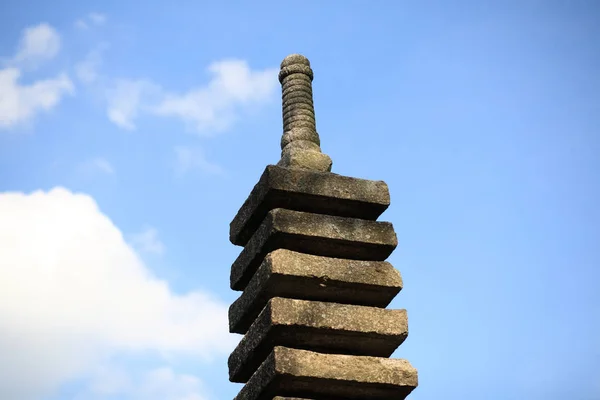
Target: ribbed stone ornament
(313, 278)
(300, 144)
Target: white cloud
(20, 103)
(157, 384)
(73, 292)
(147, 241)
(189, 158)
(94, 18)
(81, 24)
(233, 88)
(103, 165)
(125, 100)
(163, 384)
(97, 18)
(215, 106)
(87, 70)
(38, 43)
(97, 164)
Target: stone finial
(300, 144)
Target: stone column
(300, 144)
(315, 284)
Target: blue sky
(131, 133)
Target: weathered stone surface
(299, 158)
(316, 234)
(300, 141)
(305, 374)
(285, 273)
(288, 398)
(318, 326)
(309, 191)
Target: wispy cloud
(38, 43)
(92, 19)
(189, 158)
(161, 383)
(126, 98)
(20, 103)
(214, 107)
(103, 165)
(87, 70)
(233, 87)
(147, 241)
(97, 18)
(97, 164)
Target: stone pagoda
(315, 284)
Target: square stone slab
(318, 326)
(310, 191)
(285, 273)
(316, 234)
(305, 374)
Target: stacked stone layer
(315, 287)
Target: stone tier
(309, 191)
(324, 327)
(306, 374)
(289, 274)
(288, 398)
(315, 234)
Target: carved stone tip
(295, 59)
(295, 64)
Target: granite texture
(300, 144)
(288, 398)
(318, 326)
(309, 191)
(315, 234)
(305, 374)
(285, 273)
